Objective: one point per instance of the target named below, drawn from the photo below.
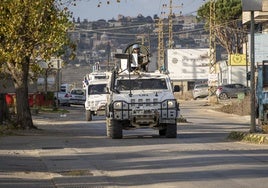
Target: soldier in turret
(141, 58)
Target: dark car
(231, 91)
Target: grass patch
(77, 173)
(248, 137)
(7, 130)
(182, 119)
(53, 110)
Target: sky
(88, 9)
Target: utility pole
(170, 26)
(161, 48)
(252, 75)
(212, 49)
(161, 52)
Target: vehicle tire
(223, 96)
(88, 115)
(108, 127)
(171, 131)
(116, 129)
(162, 132)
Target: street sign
(212, 79)
(251, 5)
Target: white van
(96, 94)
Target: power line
(101, 31)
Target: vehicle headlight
(171, 104)
(118, 105)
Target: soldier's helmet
(135, 46)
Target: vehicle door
(238, 88)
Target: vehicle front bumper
(151, 114)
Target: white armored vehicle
(140, 99)
(95, 85)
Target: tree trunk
(1, 108)
(4, 112)
(24, 117)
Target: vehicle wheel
(162, 132)
(116, 129)
(88, 115)
(108, 127)
(223, 96)
(171, 131)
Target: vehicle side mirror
(176, 88)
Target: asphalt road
(70, 152)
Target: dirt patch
(188, 95)
(231, 106)
(236, 106)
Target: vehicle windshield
(77, 92)
(141, 84)
(97, 89)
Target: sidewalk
(21, 163)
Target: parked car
(62, 98)
(231, 91)
(77, 96)
(200, 91)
